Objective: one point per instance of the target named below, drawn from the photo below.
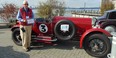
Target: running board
(45, 39)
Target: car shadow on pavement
(8, 52)
(67, 45)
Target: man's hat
(25, 2)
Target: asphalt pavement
(63, 50)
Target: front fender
(93, 31)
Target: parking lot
(63, 50)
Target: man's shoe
(29, 48)
(26, 49)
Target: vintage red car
(95, 41)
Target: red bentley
(95, 41)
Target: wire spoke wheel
(97, 45)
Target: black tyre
(61, 35)
(97, 45)
(16, 37)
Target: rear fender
(93, 31)
(14, 27)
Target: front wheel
(97, 45)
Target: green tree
(51, 8)
(44, 10)
(106, 6)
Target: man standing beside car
(26, 19)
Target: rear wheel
(97, 45)
(16, 37)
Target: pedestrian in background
(26, 19)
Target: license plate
(64, 27)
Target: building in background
(114, 2)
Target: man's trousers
(26, 36)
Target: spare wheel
(64, 30)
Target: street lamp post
(84, 6)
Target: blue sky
(69, 3)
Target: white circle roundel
(43, 28)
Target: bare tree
(9, 11)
